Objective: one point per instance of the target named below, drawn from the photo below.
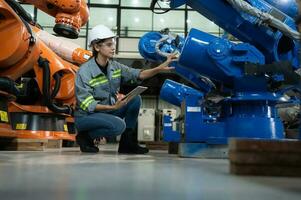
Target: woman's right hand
(120, 103)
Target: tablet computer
(138, 90)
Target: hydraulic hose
(265, 18)
(25, 17)
(153, 5)
(57, 85)
(9, 86)
(44, 63)
(20, 11)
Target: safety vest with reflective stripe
(93, 87)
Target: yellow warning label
(3, 116)
(21, 126)
(20, 86)
(65, 127)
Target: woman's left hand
(144, 74)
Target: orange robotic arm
(69, 15)
(23, 44)
(44, 63)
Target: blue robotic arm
(256, 30)
(268, 35)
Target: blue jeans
(103, 124)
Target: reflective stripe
(116, 76)
(84, 105)
(88, 103)
(116, 73)
(98, 81)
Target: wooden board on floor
(17, 144)
(265, 170)
(265, 157)
(260, 145)
(157, 145)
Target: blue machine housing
(250, 111)
(148, 42)
(217, 58)
(170, 135)
(175, 93)
(272, 43)
(147, 47)
(288, 7)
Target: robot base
(31, 122)
(203, 150)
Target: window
(174, 20)
(136, 3)
(46, 21)
(166, 5)
(105, 16)
(134, 23)
(128, 45)
(196, 20)
(104, 1)
(29, 9)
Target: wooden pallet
(17, 144)
(54, 144)
(292, 133)
(265, 157)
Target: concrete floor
(69, 174)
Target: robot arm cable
(159, 43)
(44, 64)
(24, 16)
(167, 35)
(241, 5)
(153, 4)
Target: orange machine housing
(23, 52)
(69, 15)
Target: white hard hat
(100, 32)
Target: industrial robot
(37, 69)
(235, 87)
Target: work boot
(85, 143)
(135, 141)
(127, 144)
